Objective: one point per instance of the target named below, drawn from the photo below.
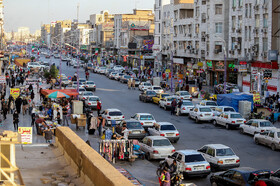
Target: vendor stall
(79, 119)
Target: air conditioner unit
(255, 48)
(265, 55)
(255, 54)
(256, 7)
(264, 30)
(189, 47)
(207, 35)
(190, 35)
(196, 52)
(256, 30)
(238, 30)
(216, 51)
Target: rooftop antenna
(78, 10)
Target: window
(265, 18)
(233, 22)
(250, 10)
(197, 28)
(229, 174)
(238, 178)
(174, 155)
(239, 22)
(246, 33)
(265, 44)
(211, 152)
(271, 135)
(197, 12)
(194, 158)
(257, 20)
(246, 10)
(218, 9)
(250, 29)
(219, 28)
(179, 157)
(240, 3)
(233, 3)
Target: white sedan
(156, 147)
(166, 102)
(144, 86)
(186, 107)
(255, 126)
(269, 138)
(112, 115)
(229, 120)
(165, 129)
(157, 89)
(147, 120)
(91, 101)
(201, 113)
(212, 104)
(86, 94)
(183, 95)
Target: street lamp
(225, 64)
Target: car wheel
(140, 99)
(148, 156)
(214, 184)
(196, 120)
(256, 141)
(273, 147)
(242, 131)
(145, 100)
(215, 123)
(165, 108)
(227, 126)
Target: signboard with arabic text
(26, 134)
(15, 92)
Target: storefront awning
(267, 65)
(69, 92)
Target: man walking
(98, 107)
(173, 106)
(65, 112)
(15, 120)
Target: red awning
(267, 65)
(69, 92)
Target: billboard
(148, 44)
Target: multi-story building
(1, 23)
(60, 28)
(45, 35)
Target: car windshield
(115, 113)
(133, 125)
(88, 94)
(90, 83)
(127, 77)
(157, 88)
(89, 65)
(147, 84)
(278, 134)
(83, 80)
(235, 116)
(224, 152)
(164, 95)
(187, 103)
(93, 99)
(82, 90)
(211, 104)
(167, 127)
(266, 124)
(185, 94)
(194, 158)
(229, 110)
(146, 117)
(205, 110)
(163, 142)
(151, 93)
(171, 99)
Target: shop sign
(254, 72)
(167, 71)
(209, 64)
(15, 92)
(26, 134)
(178, 60)
(242, 68)
(220, 66)
(2, 79)
(256, 98)
(273, 55)
(200, 64)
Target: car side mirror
(169, 156)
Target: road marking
(108, 90)
(34, 145)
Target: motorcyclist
(87, 75)
(173, 167)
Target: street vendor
(42, 122)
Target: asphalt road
(192, 136)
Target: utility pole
(78, 49)
(171, 69)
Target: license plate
(170, 134)
(197, 168)
(207, 114)
(136, 132)
(229, 161)
(239, 121)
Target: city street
(192, 136)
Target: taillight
(173, 150)
(86, 85)
(142, 123)
(177, 134)
(201, 115)
(89, 103)
(237, 161)
(155, 152)
(123, 117)
(188, 169)
(109, 117)
(208, 167)
(162, 135)
(184, 108)
(245, 121)
(262, 130)
(143, 132)
(168, 103)
(213, 114)
(84, 98)
(233, 122)
(220, 162)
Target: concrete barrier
(92, 167)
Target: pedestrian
(11, 107)
(100, 124)
(98, 107)
(173, 106)
(65, 113)
(18, 103)
(125, 132)
(33, 117)
(48, 135)
(16, 120)
(24, 105)
(93, 125)
(32, 95)
(179, 107)
(166, 177)
(5, 109)
(58, 117)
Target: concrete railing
(92, 167)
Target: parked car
(183, 95)
(186, 107)
(81, 90)
(144, 86)
(159, 96)
(201, 113)
(157, 89)
(32, 65)
(254, 126)
(112, 114)
(242, 176)
(156, 147)
(137, 82)
(86, 94)
(275, 177)
(190, 162)
(165, 129)
(166, 102)
(212, 104)
(136, 131)
(229, 120)
(102, 70)
(118, 76)
(65, 81)
(90, 85)
(75, 65)
(118, 68)
(221, 109)
(147, 120)
(125, 78)
(91, 101)
(220, 157)
(147, 96)
(82, 81)
(112, 75)
(269, 138)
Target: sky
(34, 13)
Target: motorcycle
(177, 178)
